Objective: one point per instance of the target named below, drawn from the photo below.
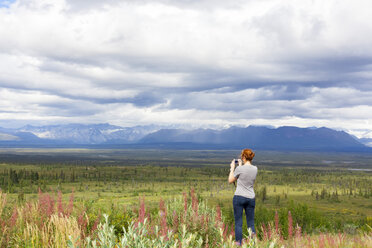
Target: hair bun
(248, 154)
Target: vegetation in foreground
(321, 199)
(185, 221)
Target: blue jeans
(240, 203)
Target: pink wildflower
(164, 227)
(309, 241)
(162, 207)
(194, 201)
(269, 231)
(224, 234)
(46, 204)
(206, 223)
(142, 211)
(321, 241)
(27, 211)
(290, 225)
(218, 215)
(276, 222)
(83, 223)
(201, 219)
(340, 238)
(2, 224)
(232, 230)
(13, 218)
(294, 243)
(60, 207)
(175, 221)
(181, 219)
(163, 215)
(298, 232)
(185, 202)
(263, 227)
(148, 217)
(95, 224)
(330, 240)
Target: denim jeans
(240, 203)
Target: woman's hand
(231, 175)
(232, 165)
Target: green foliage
(330, 197)
(120, 219)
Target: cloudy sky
(198, 63)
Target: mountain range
(75, 134)
(153, 136)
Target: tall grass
(47, 222)
(185, 221)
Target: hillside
(283, 138)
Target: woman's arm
(231, 175)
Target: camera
(237, 162)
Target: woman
(244, 197)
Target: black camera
(236, 162)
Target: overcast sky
(199, 63)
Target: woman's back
(244, 198)
(246, 175)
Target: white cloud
(187, 62)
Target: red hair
(248, 154)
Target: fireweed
(186, 222)
(41, 223)
(181, 222)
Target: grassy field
(323, 191)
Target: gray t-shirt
(246, 175)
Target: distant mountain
(8, 137)
(152, 136)
(75, 134)
(258, 137)
(366, 141)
